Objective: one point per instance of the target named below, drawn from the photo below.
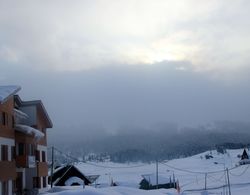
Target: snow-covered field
(193, 173)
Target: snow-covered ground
(193, 173)
(118, 190)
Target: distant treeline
(165, 142)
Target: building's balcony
(26, 161)
(7, 170)
(42, 169)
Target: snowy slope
(119, 190)
(191, 173)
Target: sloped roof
(151, 179)
(62, 174)
(244, 155)
(7, 91)
(29, 130)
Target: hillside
(190, 172)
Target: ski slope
(194, 174)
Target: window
(38, 155)
(13, 152)
(4, 150)
(21, 149)
(13, 186)
(13, 122)
(44, 182)
(34, 182)
(30, 149)
(5, 188)
(19, 181)
(43, 156)
(4, 118)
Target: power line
(238, 175)
(194, 181)
(194, 172)
(215, 179)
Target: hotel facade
(23, 144)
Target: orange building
(23, 140)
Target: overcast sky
(129, 62)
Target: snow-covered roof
(151, 179)
(7, 91)
(67, 171)
(73, 180)
(29, 130)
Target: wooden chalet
(69, 175)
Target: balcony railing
(42, 169)
(7, 170)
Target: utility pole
(229, 188)
(205, 181)
(157, 173)
(52, 167)
(174, 180)
(225, 173)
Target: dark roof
(62, 174)
(38, 104)
(244, 155)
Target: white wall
(10, 187)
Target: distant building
(69, 175)
(244, 155)
(149, 182)
(244, 158)
(23, 142)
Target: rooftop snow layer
(7, 91)
(29, 130)
(20, 114)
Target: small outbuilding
(244, 158)
(244, 155)
(149, 182)
(69, 175)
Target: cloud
(80, 35)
